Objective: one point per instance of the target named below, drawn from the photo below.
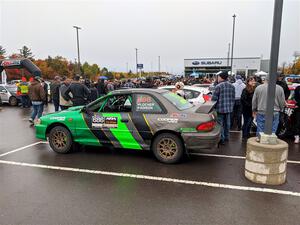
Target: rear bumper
(202, 142)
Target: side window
(97, 105)
(188, 94)
(117, 103)
(2, 88)
(146, 103)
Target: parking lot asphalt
(109, 186)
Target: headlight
(38, 121)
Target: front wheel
(60, 139)
(167, 148)
(13, 101)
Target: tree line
(60, 66)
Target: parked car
(140, 119)
(8, 94)
(195, 95)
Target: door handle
(124, 120)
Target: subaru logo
(196, 63)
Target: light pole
(228, 54)
(159, 64)
(273, 65)
(78, 53)
(232, 43)
(136, 60)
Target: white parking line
(234, 157)
(163, 179)
(22, 148)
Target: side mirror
(83, 109)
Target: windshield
(179, 102)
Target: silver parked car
(8, 94)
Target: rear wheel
(60, 139)
(13, 101)
(167, 148)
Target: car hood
(64, 112)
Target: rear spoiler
(206, 107)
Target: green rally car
(140, 119)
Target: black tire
(167, 148)
(13, 101)
(60, 139)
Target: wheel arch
(167, 131)
(52, 125)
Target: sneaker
(30, 120)
(297, 139)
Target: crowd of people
(238, 102)
(249, 100)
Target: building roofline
(225, 58)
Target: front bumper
(202, 141)
(40, 131)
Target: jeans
(56, 104)
(247, 125)
(297, 125)
(260, 120)
(236, 115)
(224, 121)
(25, 101)
(38, 108)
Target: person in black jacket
(297, 114)
(246, 104)
(94, 93)
(54, 91)
(79, 92)
(281, 82)
(101, 87)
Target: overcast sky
(175, 30)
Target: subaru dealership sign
(205, 62)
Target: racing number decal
(99, 133)
(99, 121)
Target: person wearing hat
(179, 89)
(224, 95)
(237, 109)
(54, 92)
(37, 96)
(259, 106)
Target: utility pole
(232, 43)
(78, 53)
(136, 60)
(127, 67)
(228, 54)
(159, 64)
(273, 65)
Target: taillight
(208, 126)
(206, 97)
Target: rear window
(179, 102)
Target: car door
(146, 110)
(111, 122)
(3, 94)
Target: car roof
(138, 90)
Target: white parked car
(195, 95)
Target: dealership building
(245, 66)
